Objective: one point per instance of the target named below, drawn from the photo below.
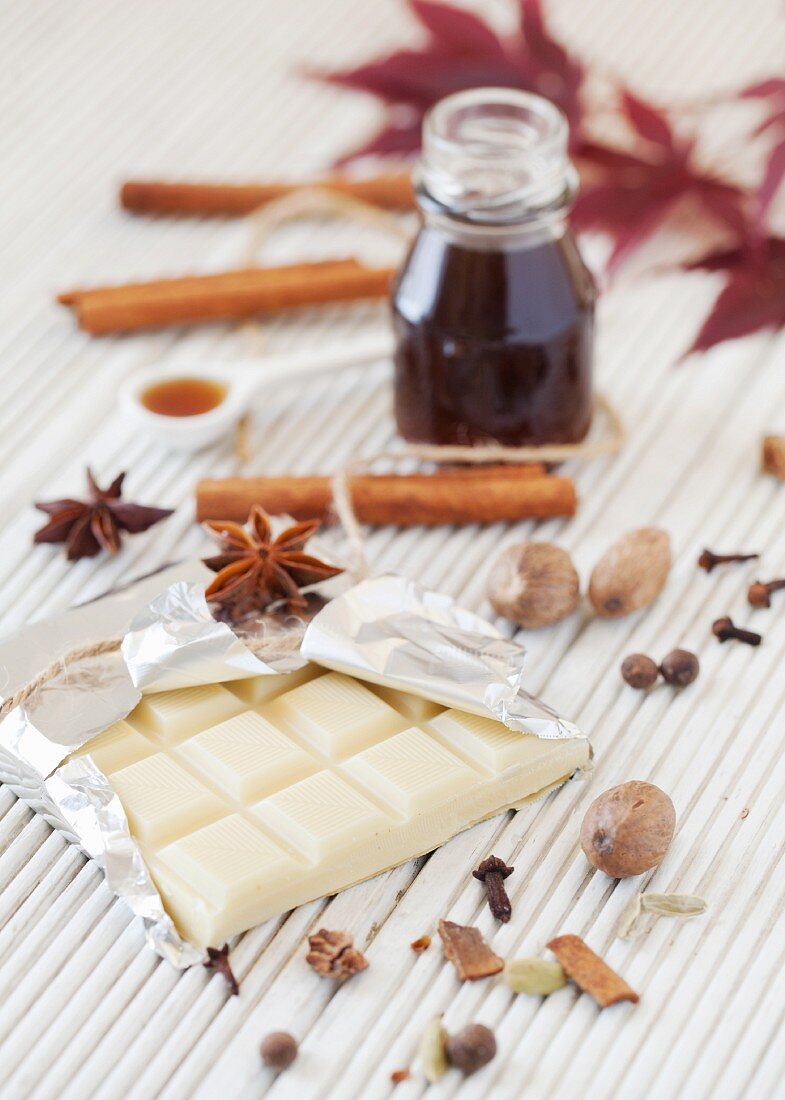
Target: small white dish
(242, 380)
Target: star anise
(218, 961)
(89, 526)
(255, 570)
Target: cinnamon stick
(392, 190)
(227, 296)
(456, 497)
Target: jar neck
(537, 229)
(494, 166)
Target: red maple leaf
(753, 297)
(773, 91)
(555, 72)
(461, 51)
(633, 193)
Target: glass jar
(493, 309)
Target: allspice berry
(628, 829)
(680, 668)
(533, 584)
(471, 1048)
(631, 574)
(278, 1050)
(639, 671)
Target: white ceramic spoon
(242, 379)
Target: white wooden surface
(95, 90)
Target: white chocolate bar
(117, 747)
(336, 715)
(255, 690)
(247, 757)
(411, 706)
(250, 798)
(171, 716)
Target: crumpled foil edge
(426, 644)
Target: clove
(709, 559)
(759, 593)
(493, 871)
(724, 630)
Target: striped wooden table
(95, 90)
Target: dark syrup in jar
(493, 345)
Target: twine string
(260, 647)
(609, 444)
(57, 668)
(318, 202)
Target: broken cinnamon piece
(773, 456)
(218, 960)
(399, 1075)
(591, 973)
(392, 190)
(333, 955)
(466, 949)
(421, 944)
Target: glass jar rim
(554, 133)
(496, 154)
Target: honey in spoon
(183, 396)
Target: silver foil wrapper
(387, 630)
(37, 737)
(176, 643)
(391, 631)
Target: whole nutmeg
(471, 1048)
(639, 671)
(628, 829)
(631, 574)
(680, 668)
(533, 584)
(278, 1049)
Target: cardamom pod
(633, 923)
(433, 1050)
(673, 905)
(536, 976)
